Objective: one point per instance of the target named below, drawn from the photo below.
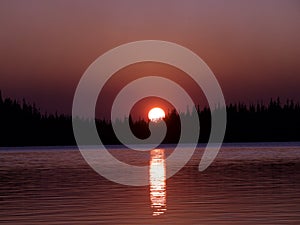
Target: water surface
(246, 184)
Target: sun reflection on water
(157, 176)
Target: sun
(156, 114)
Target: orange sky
(45, 46)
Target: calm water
(257, 184)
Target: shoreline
(112, 147)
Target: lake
(246, 184)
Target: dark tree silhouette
(24, 125)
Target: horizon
(168, 111)
(24, 125)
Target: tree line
(22, 124)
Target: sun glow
(156, 114)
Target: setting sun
(156, 114)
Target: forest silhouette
(23, 124)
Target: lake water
(246, 184)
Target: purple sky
(253, 47)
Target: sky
(252, 47)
